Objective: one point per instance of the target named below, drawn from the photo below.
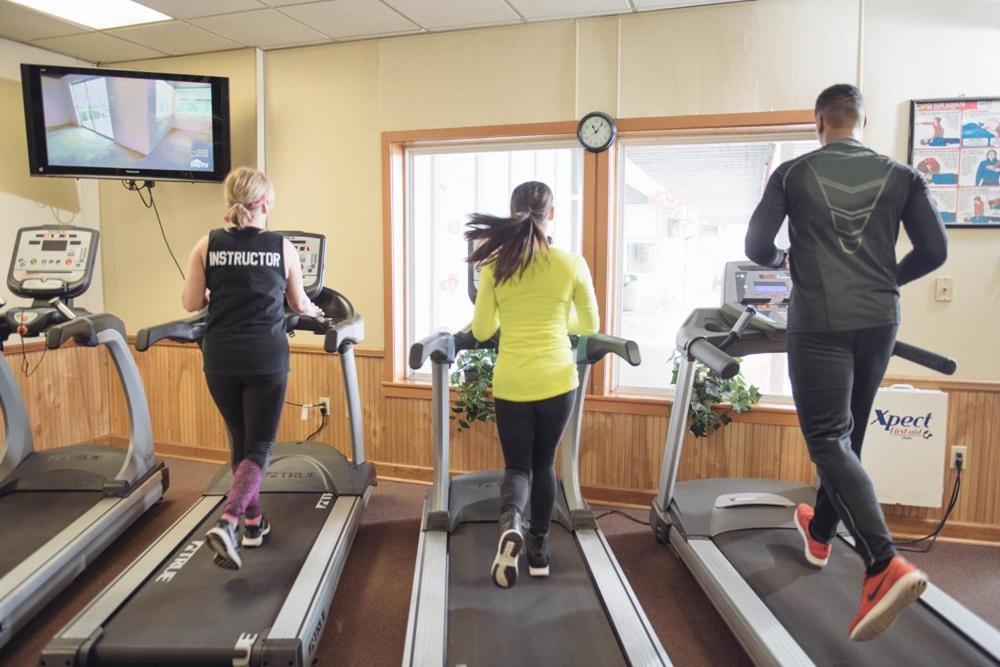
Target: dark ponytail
(511, 243)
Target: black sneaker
(504, 571)
(253, 536)
(537, 552)
(222, 540)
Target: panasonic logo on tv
(179, 561)
(904, 426)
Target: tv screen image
(126, 124)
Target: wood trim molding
(479, 132)
(755, 119)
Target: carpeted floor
(367, 623)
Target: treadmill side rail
(638, 639)
(762, 636)
(299, 624)
(975, 629)
(426, 630)
(36, 580)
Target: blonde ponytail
(246, 190)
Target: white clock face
(595, 132)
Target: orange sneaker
(884, 596)
(816, 552)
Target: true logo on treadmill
(179, 561)
(324, 501)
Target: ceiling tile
(97, 47)
(175, 38)
(644, 5)
(536, 10)
(446, 14)
(186, 9)
(264, 28)
(344, 19)
(23, 24)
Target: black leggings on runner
(834, 379)
(251, 406)
(529, 435)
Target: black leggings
(529, 435)
(834, 379)
(251, 407)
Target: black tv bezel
(34, 120)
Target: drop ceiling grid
(201, 26)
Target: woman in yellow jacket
(529, 290)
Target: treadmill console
(52, 260)
(312, 253)
(767, 290)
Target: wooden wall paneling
(621, 453)
(66, 393)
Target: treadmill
(738, 539)
(174, 606)
(584, 613)
(62, 506)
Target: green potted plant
(710, 390)
(472, 378)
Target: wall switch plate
(944, 287)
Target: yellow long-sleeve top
(535, 314)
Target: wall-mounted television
(102, 123)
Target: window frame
(599, 232)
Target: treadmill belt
(817, 606)
(197, 617)
(555, 620)
(34, 517)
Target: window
(193, 101)
(164, 100)
(684, 205)
(443, 186)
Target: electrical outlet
(959, 453)
(324, 405)
(304, 415)
(944, 288)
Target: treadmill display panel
(54, 260)
(767, 290)
(311, 249)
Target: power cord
(623, 514)
(24, 360)
(322, 425)
(926, 543)
(133, 186)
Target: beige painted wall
(141, 283)
(25, 200)
(917, 49)
(326, 106)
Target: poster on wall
(955, 144)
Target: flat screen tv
(102, 123)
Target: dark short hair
(841, 105)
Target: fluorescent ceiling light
(97, 14)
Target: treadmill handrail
(925, 358)
(84, 330)
(339, 335)
(439, 347)
(592, 348)
(188, 330)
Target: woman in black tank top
(245, 275)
